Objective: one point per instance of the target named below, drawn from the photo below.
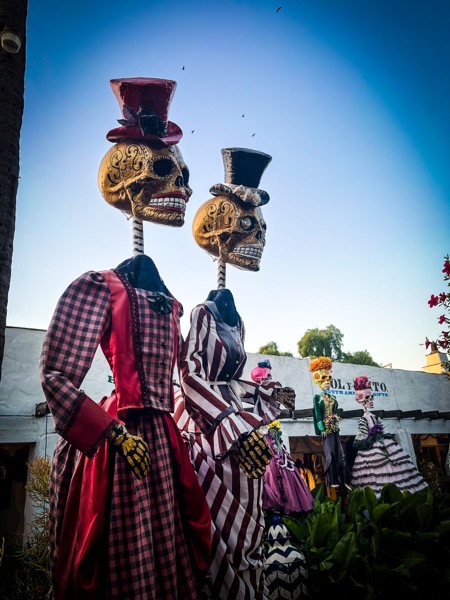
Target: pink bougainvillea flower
(445, 334)
(427, 343)
(442, 297)
(441, 319)
(446, 268)
(433, 301)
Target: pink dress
(284, 490)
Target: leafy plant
(372, 548)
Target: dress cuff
(89, 426)
(230, 429)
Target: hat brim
(223, 189)
(172, 136)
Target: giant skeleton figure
(227, 449)
(127, 516)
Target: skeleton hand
(286, 396)
(253, 454)
(132, 448)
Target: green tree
(13, 15)
(272, 349)
(322, 342)
(362, 357)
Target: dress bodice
(231, 339)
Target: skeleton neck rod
(221, 274)
(138, 237)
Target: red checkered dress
(212, 418)
(111, 535)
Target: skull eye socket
(185, 173)
(163, 167)
(247, 223)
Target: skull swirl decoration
(231, 225)
(144, 173)
(151, 184)
(225, 229)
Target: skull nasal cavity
(179, 181)
(258, 235)
(162, 167)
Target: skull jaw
(244, 257)
(161, 216)
(242, 262)
(165, 209)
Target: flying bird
(253, 135)
(279, 8)
(182, 68)
(242, 116)
(193, 131)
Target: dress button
(164, 326)
(237, 362)
(163, 363)
(161, 381)
(163, 344)
(161, 399)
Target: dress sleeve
(218, 420)
(261, 396)
(317, 413)
(81, 318)
(361, 441)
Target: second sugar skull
(231, 225)
(144, 173)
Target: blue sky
(350, 98)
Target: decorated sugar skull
(321, 372)
(231, 225)
(363, 391)
(144, 173)
(262, 372)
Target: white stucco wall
(20, 391)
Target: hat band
(147, 121)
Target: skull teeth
(249, 251)
(172, 203)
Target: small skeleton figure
(380, 460)
(326, 424)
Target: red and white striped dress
(212, 417)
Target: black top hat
(243, 172)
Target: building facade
(414, 405)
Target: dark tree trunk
(13, 15)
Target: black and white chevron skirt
(286, 569)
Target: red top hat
(144, 104)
